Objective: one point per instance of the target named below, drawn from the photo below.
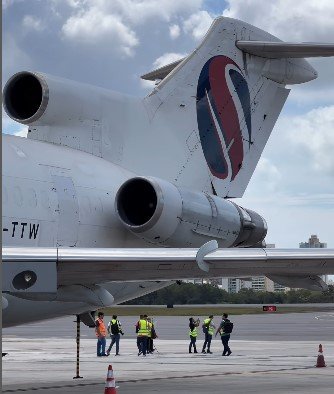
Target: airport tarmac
(271, 353)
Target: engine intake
(39, 99)
(26, 97)
(162, 213)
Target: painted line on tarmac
(120, 381)
(325, 317)
(51, 387)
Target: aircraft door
(68, 210)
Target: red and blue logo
(219, 84)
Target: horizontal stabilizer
(162, 72)
(276, 50)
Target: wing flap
(95, 266)
(276, 50)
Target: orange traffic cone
(320, 359)
(110, 387)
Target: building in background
(313, 242)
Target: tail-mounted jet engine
(162, 213)
(38, 99)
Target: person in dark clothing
(115, 331)
(193, 324)
(153, 335)
(225, 337)
(138, 338)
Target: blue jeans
(142, 344)
(101, 346)
(207, 342)
(192, 344)
(114, 339)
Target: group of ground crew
(115, 331)
(225, 328)
(146, 334)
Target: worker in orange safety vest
(101, 333)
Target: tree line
(188, 293)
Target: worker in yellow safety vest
(143, 335)
(101, 333)
(193, 324)
(208, 329)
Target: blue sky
(111, 44)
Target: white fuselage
(58, 196)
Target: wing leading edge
(96, 266)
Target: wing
(71, 266)
(276, 50)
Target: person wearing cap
(101, 333)
(208, 329)
(193, 324)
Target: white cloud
(314, 134)
(167, 58)
(147, 85)
(14, 58)
(22, 133)
(268, 175)
(8, 3)
(30, 22)
(161, 61)
(94, 26)
(290, 20)
(140, 11)
(9, 126)
(198, 24)
(96, 21)
(74, 3)
(174, 31)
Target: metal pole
(78, 349)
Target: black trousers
(192, 344)
(207, 342)
(150, 346)
(225, 339)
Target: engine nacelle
(162, 213)
(38, 99)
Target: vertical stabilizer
(221, 104)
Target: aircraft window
(18, 199)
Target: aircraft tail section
(222, 103)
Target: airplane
(111, 197)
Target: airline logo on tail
(220, 84)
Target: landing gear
(78, 349)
